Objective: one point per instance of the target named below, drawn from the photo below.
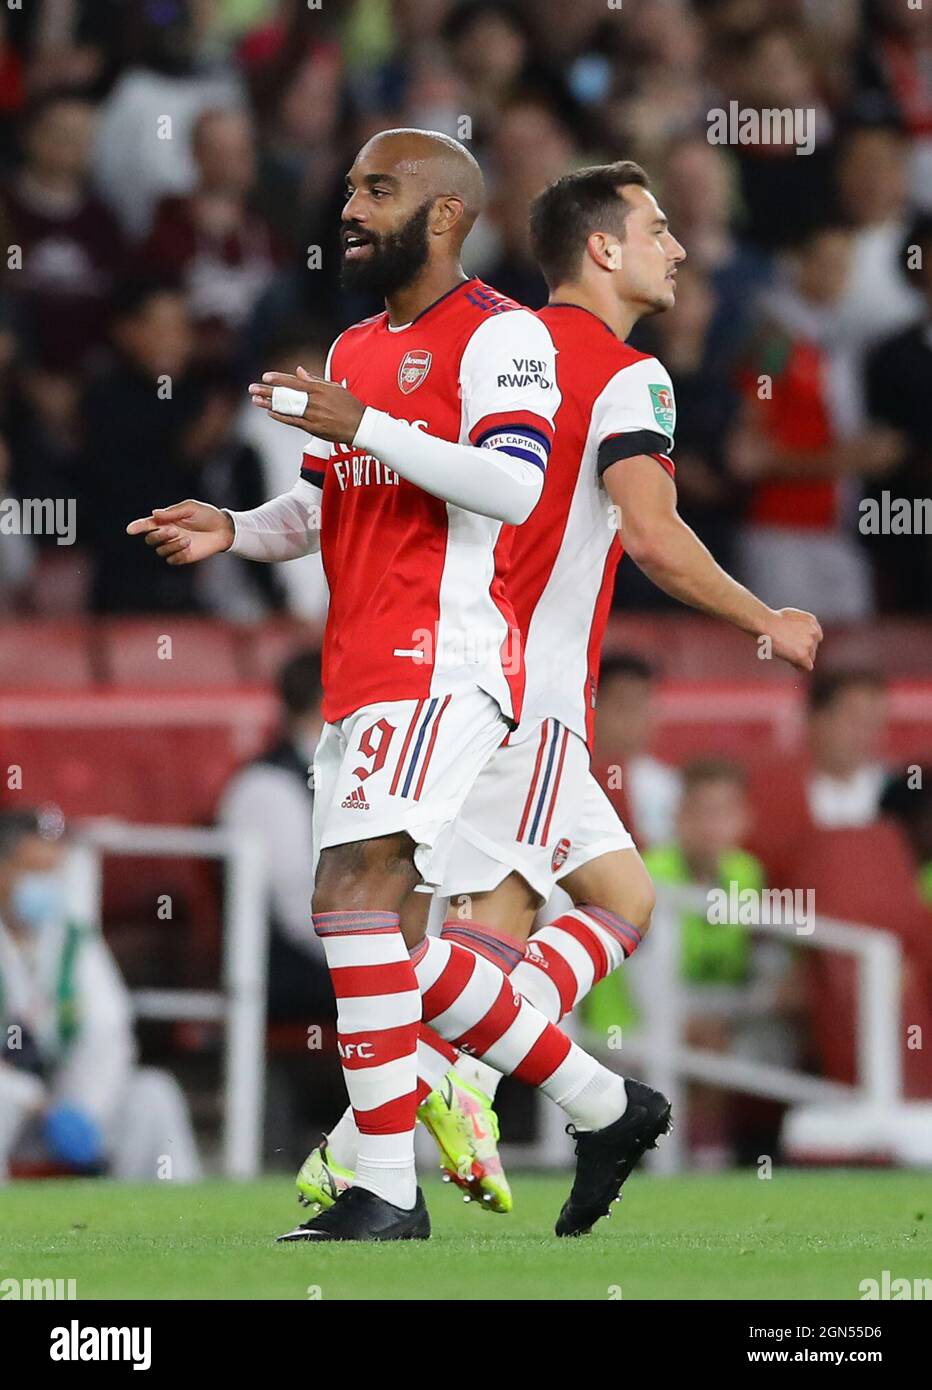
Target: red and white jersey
(418, 603)
(615, 403)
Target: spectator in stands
(899, 371)
(489, 48)
(770, 67)
(69, 245)
(212, 240)
(531, 148)
(297, 82)
(798, 441)
(271, 799)
(699, 195)
(644, 790)
(660, 89)
(847, 723)
(70, 1090)
(873, 188)
(147, 424)
(892, 79)
(907, 798)
(737, 988)
(143, 150)
(176, 426)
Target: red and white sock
(434, 1059)
(559, 966)
(471, 1002)
(378, 1019)
(564, 960)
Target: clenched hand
(332, 412)
(796, 636)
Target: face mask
(38, 898)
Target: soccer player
(432, 429)
(536, 815)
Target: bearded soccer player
(432, 429)
(536, 816)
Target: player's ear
(604, 250)
(446, 212)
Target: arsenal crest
(414, 368)
(561, 853)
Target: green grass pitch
(794, 1236)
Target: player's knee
(361, 877)
(636, 903)
(342, 881)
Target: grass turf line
(795, 1236)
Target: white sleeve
(487, 481)
(636, 414)
(284, 528)
(508, 386)
(508, 380)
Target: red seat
(782, 825)
(898, 647)
(166, 774)
(866, 876)
(45, 654)
(170, 653)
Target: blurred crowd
(171, 179)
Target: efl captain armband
(287, 401)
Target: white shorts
(403, 765)
(535, 808)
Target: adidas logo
(356, 801)
(533, 952)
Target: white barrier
(240, 1002)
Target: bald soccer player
(431, 430)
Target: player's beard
(396, 258)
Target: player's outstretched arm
(673, 557)
(488, 481)
(284, 528)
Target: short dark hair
(16, 826)
(626, 665)
(710, 768)
(299, 685)
(133, 295)
(827, 686)
(567, 212)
